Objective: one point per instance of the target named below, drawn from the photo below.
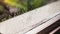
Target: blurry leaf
(38, 3)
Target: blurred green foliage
(37, 3)
(23, 5)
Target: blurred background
(11, 8)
